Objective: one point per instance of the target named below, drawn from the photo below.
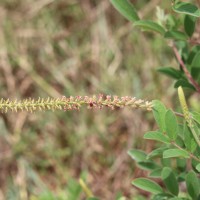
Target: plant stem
(85, 188)
(179, 114)
(183, 66)
(191, 155)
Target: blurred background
(61, 47)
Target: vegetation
(45, 46)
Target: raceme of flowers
(73, 103)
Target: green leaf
(147, 165)
(195, 72)
(126, 9)
(198, 167)
(147, 185)
(189, 140)
(195, 162)
(166, 162)
(193, 186)
(192, 54)
(181, 176)
(170, 153)
(158, 136)
(162, 196)
(171, 72)
(159, 111)
(157, 152)
(170, 181)
(181, 164)
(148, 25)
(179, 141)
(196, 117)
(189, 25)
(156, 173)
(196, 60)
(73, 189)
(186, 8)
(140, 157)
(184, 83)
(171, 125)
(47, 196)
(137, 155)
(176, 35)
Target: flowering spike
(74, 103)
(184, 105)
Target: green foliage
(176, 35)
(196, 60)
(185, 148)
(172, 32)
(73, 190)
(148, 25)
(169, 178)
(137, 155)
(158, 136)
(193, 185)
(171, 125)
(171, 72)
(126, 9)
(170, 153)
(147, 185)
(186, 8)
(159, 111)
(180, 137)
(198, 167)
(189, 25)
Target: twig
(190, 154)
(183, 66)
(178, 114)
(194, 42)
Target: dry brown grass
(55, 48)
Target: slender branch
(191, 155)
(183, 66)
(179, 114)
(194, 42)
